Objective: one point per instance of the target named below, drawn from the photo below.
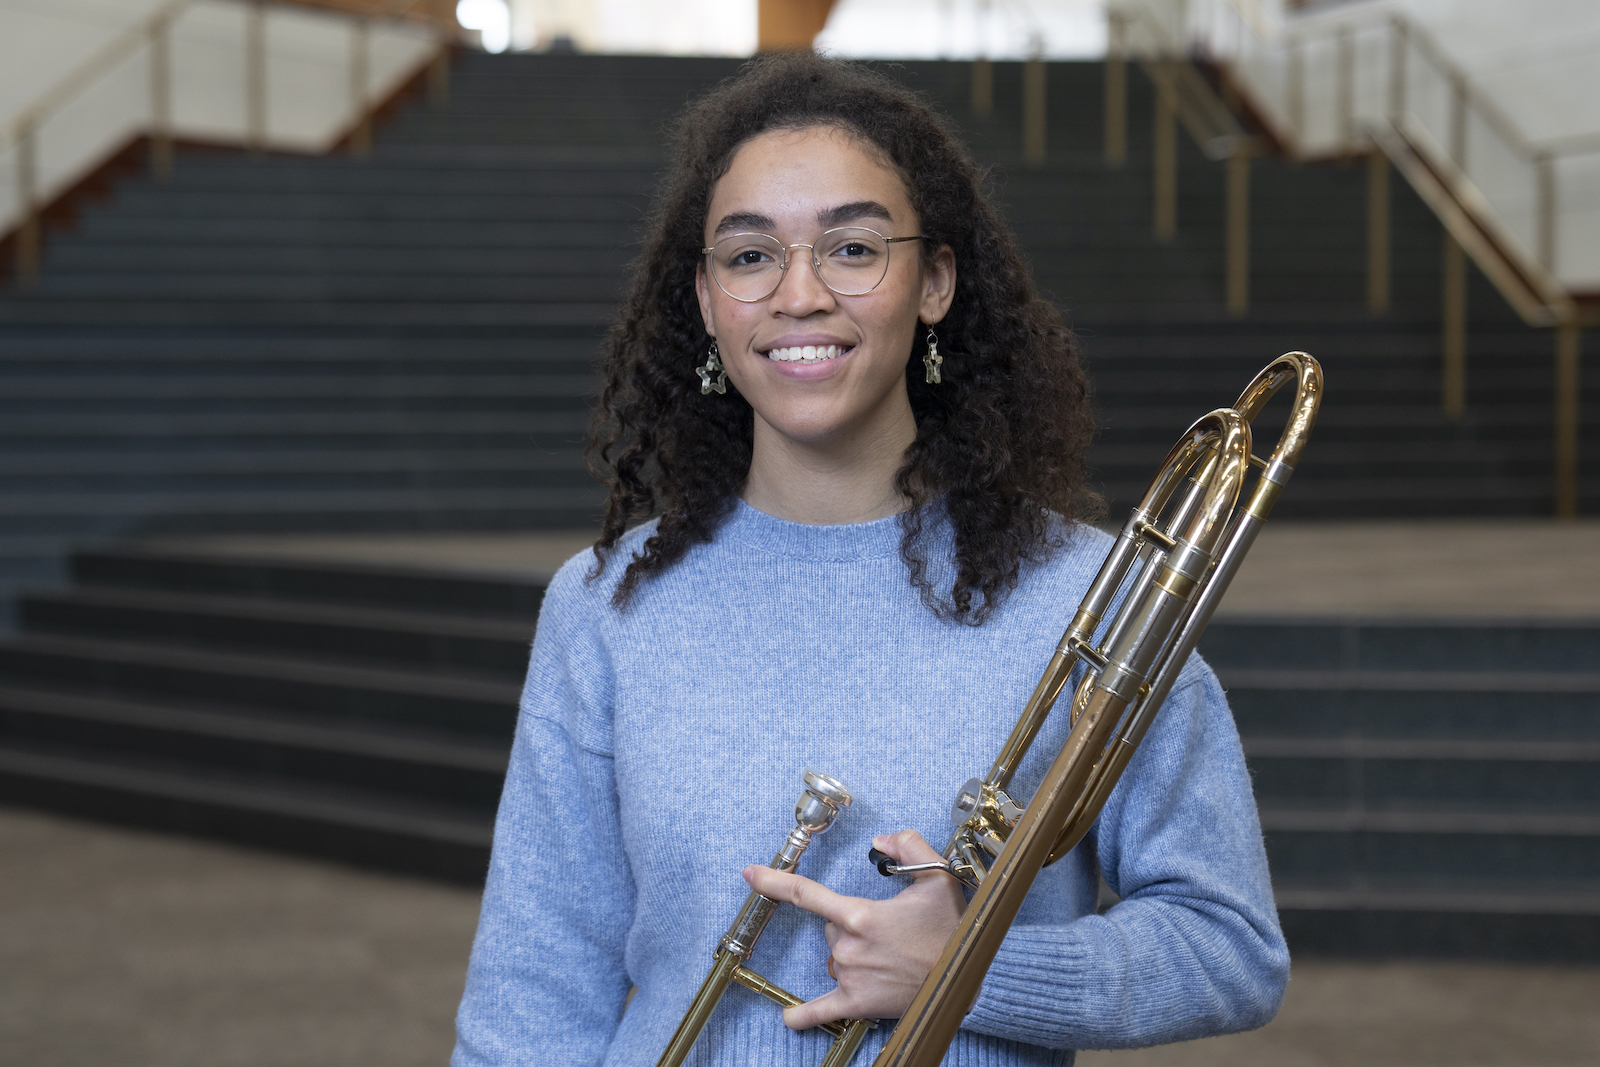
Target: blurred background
(299, 310)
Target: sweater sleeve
(1194, 948)
(547, 970)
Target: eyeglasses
(850, 260)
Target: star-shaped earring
(713, 365)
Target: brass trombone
(1184, 565)
(1181, 546)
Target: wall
(658, 27)
(965, 29)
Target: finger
(802, 892)
(825, 1009)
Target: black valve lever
(889, 866)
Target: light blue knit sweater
(660, 750)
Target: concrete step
(337, 693)
(410, 769)
(379, 636)
(179, 570)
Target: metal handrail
(1467, 100)
(153, 31)
(1439, 175)
(100, 63)
(89, 71)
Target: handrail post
(1239, 232)
(255, 77)
(982, 87)
(1377, 231)
(1546, 166)
(1164, 158)
(160, 100)
(1397, 67)
(1568, 340)
(1116, 90)
(361, 120)
(1454, 340)
(1297, 96)
(1346, 89)
(1033, 103)
(1458, 121)
(27, 250)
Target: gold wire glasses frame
(849, 260)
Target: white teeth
(804, 354)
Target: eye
(852, 249)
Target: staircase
(358, 713)
(1424, 788)
(405, 343)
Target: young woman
(858, 436)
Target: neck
(846, 479)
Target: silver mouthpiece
(823, 799)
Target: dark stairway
(362, 714)
(405, 343)
(1426, 788)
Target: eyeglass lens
(850, 261)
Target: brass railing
(1381, 87)
(1182, 96)
(153, 36)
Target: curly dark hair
(1000, 442)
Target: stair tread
(341, 807)
(1410, 748)
(278, 667)
(1451, 680)
(415, 621)
(1518, 901)
(246, 724)
(1420, 821)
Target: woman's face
(794, 184)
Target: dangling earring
(713, 366)
(931, 359)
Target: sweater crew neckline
(750, 526)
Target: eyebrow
(748, 221)
(743, 222)
(860, 209)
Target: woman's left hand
(882, 950)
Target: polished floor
(144, 950)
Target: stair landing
(1448, 568)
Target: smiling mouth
(807, 353)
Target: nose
(800, 291)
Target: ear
(938, 285)
(702, 292)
